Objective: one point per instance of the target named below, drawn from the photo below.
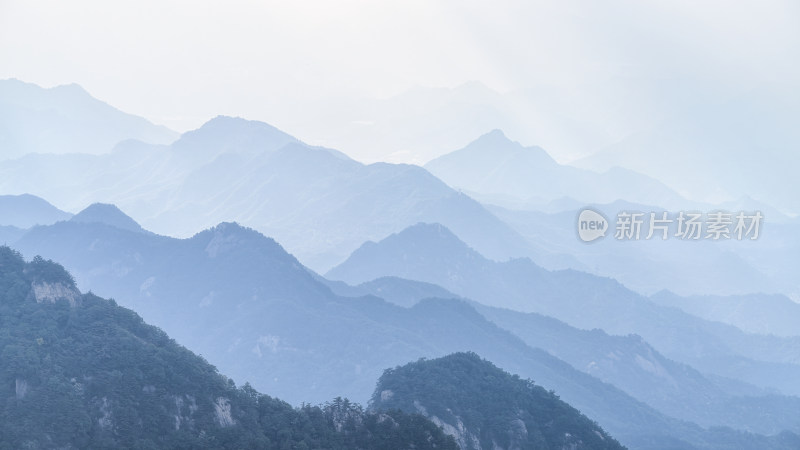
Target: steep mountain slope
(485, 407)
(431, 253)
(241, 301)
(316, 201)
(66, 119)
(237, 298)
(627, 362)
(25, 211)
(79, 371)
(640, 370)
(493, 165)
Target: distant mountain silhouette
(392, 289)
(755, 313)
(109, 215)
(724, 149)
(632, 364)
(627, 362)
(255, 312)
(224, 134)
(493, 167)
(648, 266)
(25, 211)
(66, 119)
(432, 254)
(316, 201)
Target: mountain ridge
(493, 165)
(583, 301)
(66, 119)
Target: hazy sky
(179, 63)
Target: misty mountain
(79, 371)
(241, 301)
(755, 313)
(627, 362)
(432, 254)
(25, 211)
(316, 201)
(9, 234)
(485, 407)
(424, 122)
(224, 135)
(742, 146)
(66, 119)
(109, 215)
(494, 167)
(648, 266)
(632, 364)
(396, 290)
(518, 184)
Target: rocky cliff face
(465, 439)
(53, 292)
(222, 412)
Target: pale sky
(180, 63)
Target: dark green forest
(494, 407)
(79, 371)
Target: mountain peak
(107, 214)
(67, 119)
(225, 134)
(497, 143)
(420, 245)
(229, 124)
(426, 238)
(494, 137)
(72, 89)
(483, 156)
(429, 231)
(26, 210)
(511, 412)
(229, 237)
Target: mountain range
(628, 362)
(648, 266)
(240, 300)
(78, 371)
(232, 169)
(414, 267)
(66, 119)
(755, 313)
(495, 169)
(727, 148)
(541, 199)
(432, 254)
